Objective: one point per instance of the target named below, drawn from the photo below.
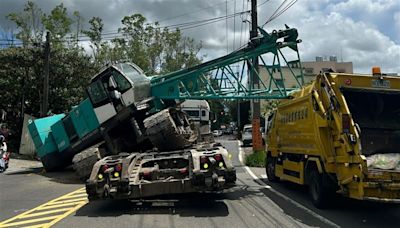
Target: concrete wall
(26, 145)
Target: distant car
(217, 133)
(247, 135)
(263, 135)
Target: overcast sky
(365, 32)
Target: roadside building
(310, 70)
(291, 76)
(322, 64)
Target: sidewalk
(20, 162)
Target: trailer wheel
(319, 193)
(270, 165)
(83, 162)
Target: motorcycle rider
(3, 145)
(3, 151)
(4, 131)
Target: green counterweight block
(84, 118)
(41, 134)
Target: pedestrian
(4, 131)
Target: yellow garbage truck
(340, 134)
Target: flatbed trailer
(137, 175)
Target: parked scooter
(4, 154)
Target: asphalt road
(250, 204)
(24, 189)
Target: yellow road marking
(46, 212)
(82, 190)
(78, 195)
(43, 225)
(43, 205)
(57, 206)
(66, 214)
(67, 201)
(61, 207)
(31, 221)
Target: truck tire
(270, 165)
(166, 134)
(320, 195)
(83, 162)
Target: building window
(309, 70)
(326, 70)
(341, 70)
(192, 113)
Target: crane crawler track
(169, 130)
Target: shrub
(256, 159)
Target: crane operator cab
(115, 87)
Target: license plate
(381, 84)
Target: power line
(181, 15)
(234, 26)
(241, 25)
(192, 12)
(226, 27)
(247, 24)
(205, 20)
(188, 24)
(181, 26)
(279, 11)
(263, 3)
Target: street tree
(29, 24)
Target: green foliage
(58, 23)
(153, 49)
(29, 23)
(94, 33)
(22, 68)
(256, 159)
(269, 106)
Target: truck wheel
(270, 165)
(83, 162)
(318, 192)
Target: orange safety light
(376, 70)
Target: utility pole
(255, 84)
(45, 104)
